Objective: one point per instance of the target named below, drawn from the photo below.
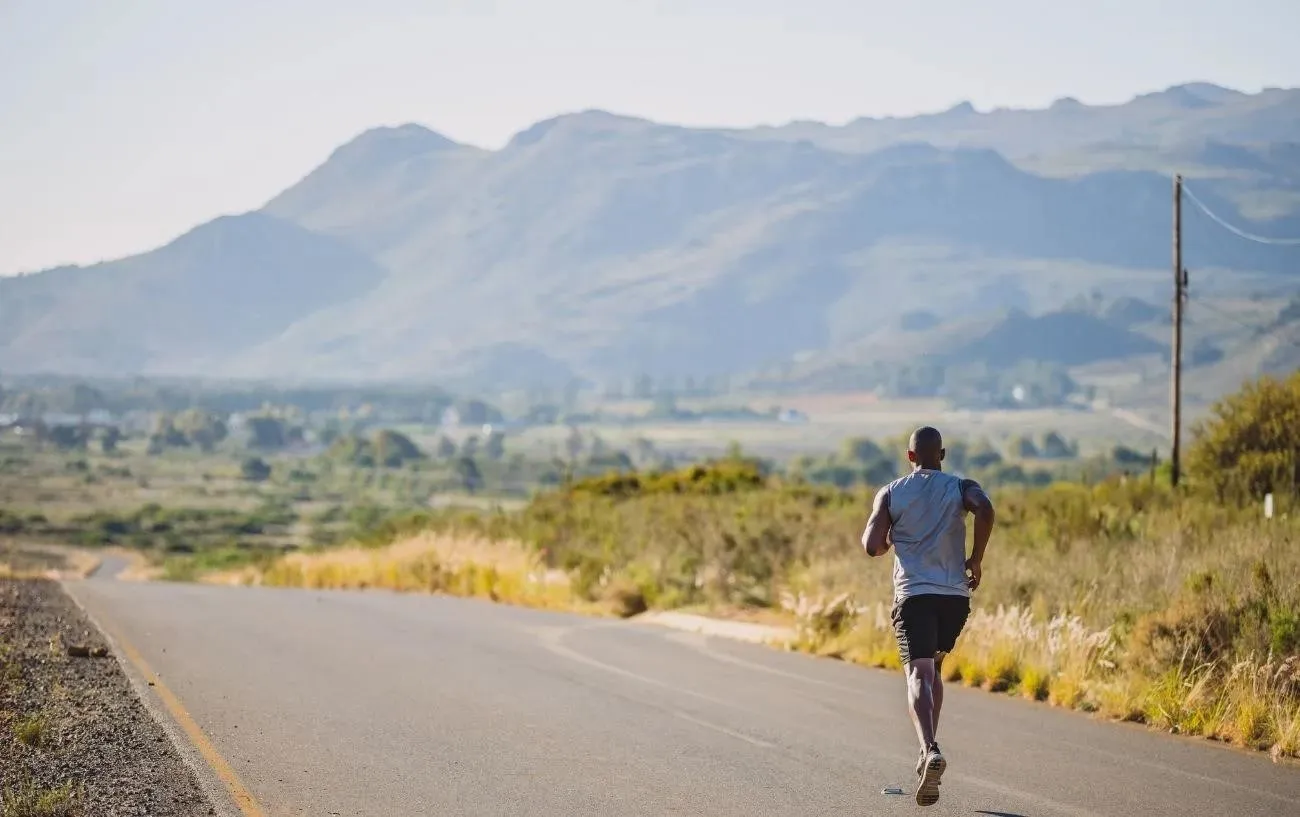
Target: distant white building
(450, 417)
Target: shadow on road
(999, 813)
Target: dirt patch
(25, 559)
(137, 567)
(74, 739)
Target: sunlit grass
(32, 730)
(426, 563)
(27, 799)
(1119, 598)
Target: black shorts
(929, 623)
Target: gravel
(71, 726)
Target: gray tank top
(929, 533)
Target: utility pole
(1176, 353)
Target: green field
(831, 419)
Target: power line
(1282, 242)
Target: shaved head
(925, 447)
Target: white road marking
(724, 730)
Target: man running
(923, 516)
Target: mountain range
(604, 246)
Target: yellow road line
(248, 805)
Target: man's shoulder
(961, 483)
(896, 483)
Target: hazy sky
(125, 122)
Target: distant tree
(468, 472)
(1021, 447)
(394, 449)
(352, 449)
(255, 469)
(495, 445)
(1054, 446)
(1250, 443)
(267, 433)
(109, 438)
(862, 450)
(166, 435)
(204, 429)
(68, 437)
(469, 448)
(446, 448)
(880, 472)
(838, 474)
(982, 455)
(1130, 457)
(331, 431)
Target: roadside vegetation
(1105, 589)
(1180, 609)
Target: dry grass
(429, 562)
(30, 800)
(27, 560)
(1117, 599)
(32, 730)
(1120, 598)
(1253, 702)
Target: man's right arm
(978, 503)
(875, 539)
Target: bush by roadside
(1117, 598)
(1176, 608)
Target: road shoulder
(751, 632)
(75, 735)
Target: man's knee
(920, 671)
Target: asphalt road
(341, 703)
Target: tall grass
(1121, 597)
(429, 562)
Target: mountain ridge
(598, 245)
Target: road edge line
(228, 795)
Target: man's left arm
(875, 539)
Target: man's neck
(924, 467)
